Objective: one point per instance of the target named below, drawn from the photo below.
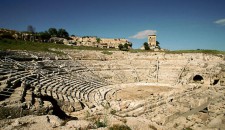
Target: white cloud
(143, 34)
(220, 22)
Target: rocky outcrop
(99, 42)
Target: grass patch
(196, 51)
(136, 50)
(88, 48)
(181, 51)
(9, 44)
(9, 112)
(99, 124)
(107, 52)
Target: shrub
(120, 46)
(9, 112)
(100, 124)
(113, 112)
(124, 47)
(98, 40)
(6, 36)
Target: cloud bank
(143, 34)
(220, 22)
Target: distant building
(102, 43)
(152, 41)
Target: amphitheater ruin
(148, 90)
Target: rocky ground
(167, 97)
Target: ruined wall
(104, 42)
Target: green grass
(107, 52)
(196, 51)
(181, 51)
(8, 44)
(137, 50)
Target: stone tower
(152, 41)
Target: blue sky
(179, 24)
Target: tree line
(51, 32)
(125, 47)
(31, 35)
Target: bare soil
(140, 92)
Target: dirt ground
(140, 92)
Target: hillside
(10, 44)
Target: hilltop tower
(152, 41)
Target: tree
(63, 33)
(157, 43)
(120, 46)
(6, 35)
(126, 46)
(44, 36)
(30, 29)
(146, 46)
(130, 44)
(53, 32)
(98, 40)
